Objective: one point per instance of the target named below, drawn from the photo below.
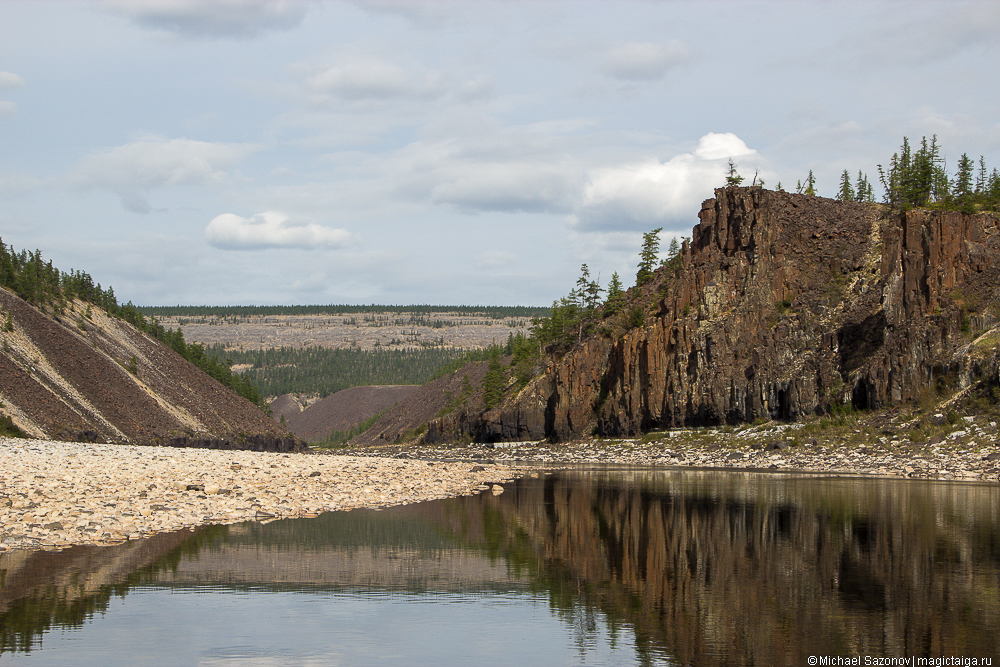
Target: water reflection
(693, 567)
(748, 568)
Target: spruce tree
(863, 189)
(493, 381)
(733, 179)
(616, 294)
(580, 293)
(981, 182)
(647, 256)
(920, 180)
(673, 259)
(588, 292)
(847, 192)
(962, 189)
(993, 191)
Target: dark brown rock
(879, 310)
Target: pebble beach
(967, 450)
(58, 494)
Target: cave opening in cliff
(860, 397)
(783, 411)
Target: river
(595, 566)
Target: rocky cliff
(784, 305)
(79, 374)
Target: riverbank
(58, 494)
(940, 446)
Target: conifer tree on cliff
(733, 179)
(863, 189)
(993, 191)
(846, 189)
(982, 179)
(616, 293)
(962, 191)
(647, 256)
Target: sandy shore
(57, 494)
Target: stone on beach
(56, 494)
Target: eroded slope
(83, 375)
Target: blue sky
(252, 152)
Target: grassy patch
(412, 433)
(340, 438)
(9, 429)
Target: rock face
(82, 375)
(785, 304)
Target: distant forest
(490, 312)
(323, 371)
(46, 287)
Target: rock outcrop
(784, 305)
(78, 374)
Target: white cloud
(135, 167)
(271, 229)
(10, 80)
(644, 61)
(7, 108)
(721, 145)
(652, 193)
(240, 19)
(362, 78)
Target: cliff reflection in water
(705, 567)
(751, 568)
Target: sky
(420, 152)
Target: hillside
(781, 306)
(457, 391)
(75, 373)
(343, 410)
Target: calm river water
(582, 567)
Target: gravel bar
(58, 494)
(967, 451)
